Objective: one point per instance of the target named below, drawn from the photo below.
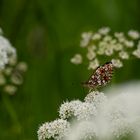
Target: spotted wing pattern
(101, 76)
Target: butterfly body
(100, 77)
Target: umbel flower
(97, 117)
(11, 70)
(56, 129)
(12, 76)
(7, 51)
(115, 47)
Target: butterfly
(101, 76)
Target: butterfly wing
(101, 76)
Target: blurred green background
(46, 34)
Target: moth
(101, 76)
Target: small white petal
(123, 55)
(104, 30)
(86, 36)
(67, 109)
(91, 55)
(56, 129)
(77, 59)
(129, 44)
(109, 51)
(96, 98)
(96, 36)
(118, 47)
(107, 38)
(134, 34)
(6, 51)
(117, 63)
(136, 53)
(119, 35)
(93, 64)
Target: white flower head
(136, 53)
(56, 129)
(129, 44)
(134, 34)
(96, 36)
(107, 38)
(119, 35)
(96, 98)
(123, 55)
(117, 63)
(77, 59)
(92, 48)
(93, 64)
(16, 79)
(85, 111)
(86, 36)
(101, 51)
(117, 118)
(101, 48)
(22, 66)
(67, 109)
(104, 30)
(10, 89)
(118, 47)
(6, 51)
(91, 55)
(12, 59)
(109, 51)
(113, 41)
(8, 71)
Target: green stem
(11, 111)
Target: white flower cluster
(55, 129)
(12, 76)
(96, 98)
(67, 109)
(81, 111)
(11, 71)
(98, 117)
(7, 51)
(115, 47)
